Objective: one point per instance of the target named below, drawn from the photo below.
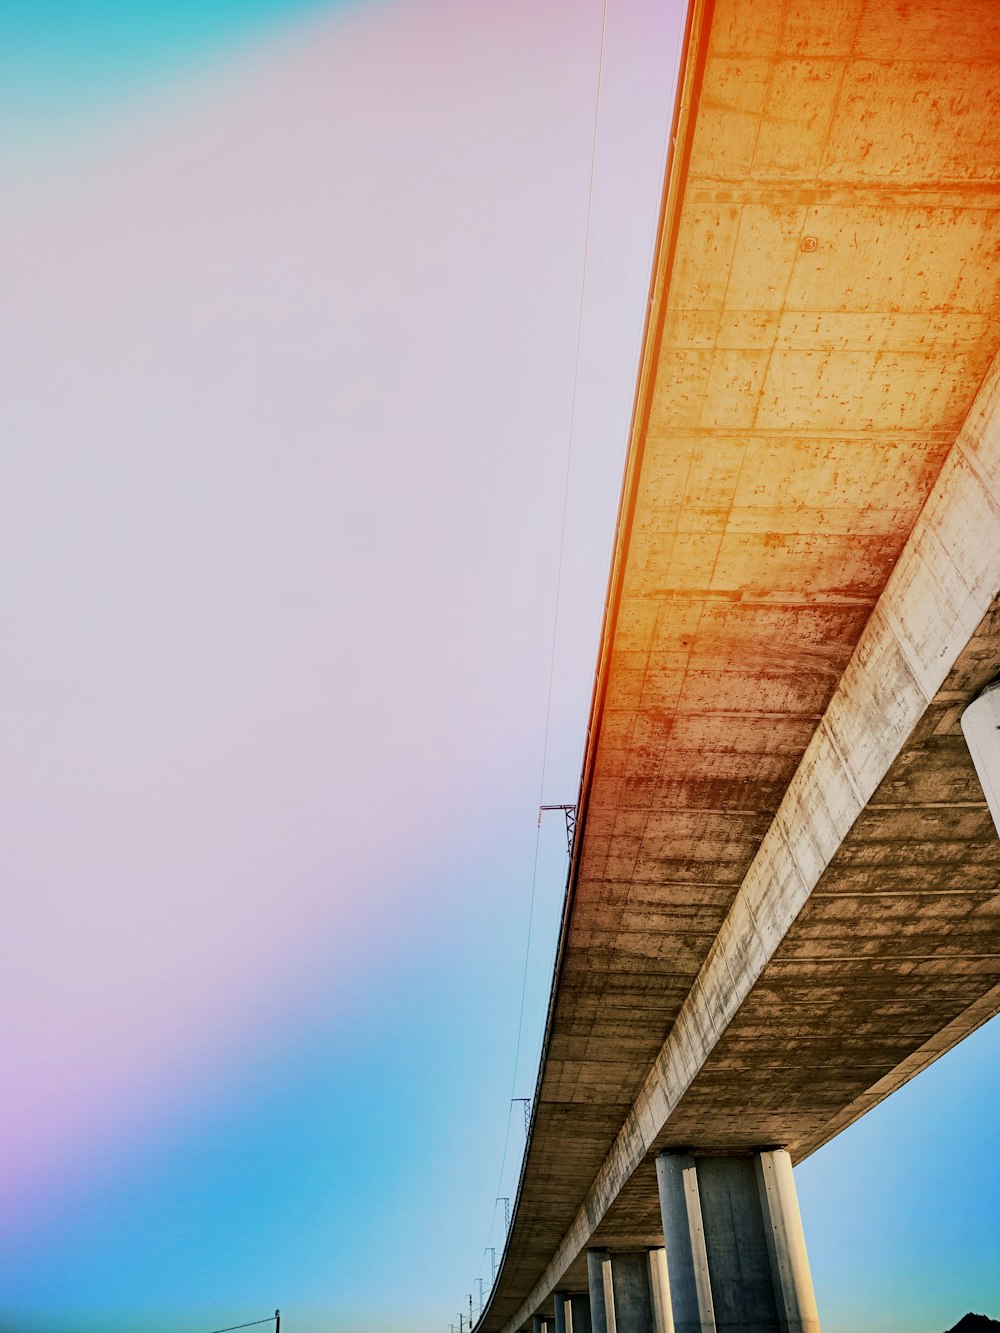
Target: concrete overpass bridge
(784, 894)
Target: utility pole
(470, 1310)
(493, 1264)
(277, 1321)
(460, 1318)
(479, 1280)
(505, 1200)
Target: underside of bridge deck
(826, 309)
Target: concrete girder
(940, 590)
(825, 306)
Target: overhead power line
(555, 628)
(274, 1319)
(570, 819)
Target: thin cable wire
(517, 1046)
(562, 538)
(574, 395)
(252, 1324)
(548, 709)
(559, 575)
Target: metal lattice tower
(569, 811)
(526, 1103)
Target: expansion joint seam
(991, 488)
(827, 730)
(906, 648)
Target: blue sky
(64, 60)
(291, 297)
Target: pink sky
(288, 369)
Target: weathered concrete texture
(600, 1285)
(898, 939)
(876, 706)
(578, 1315)
(621, 1292)
(786, 1244)
(633, 1297)
(689, 1282)
(825, 309)
(737, 1246)
(735, 1251)
(659, 1291)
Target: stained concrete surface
(826, 307)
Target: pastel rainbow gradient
(288, 322)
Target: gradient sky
(289, 295)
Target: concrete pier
(631, 1290)
(578, 1315)
(602, 1305)
(627, 1291)
(981, 728)
(659, 1291)
(735, 1252)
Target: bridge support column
(626, 1292)
(659, 1291)
(602, 1311)
(736, 1255)
(981, 726)
(578, 1315)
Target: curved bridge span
(784, 895)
